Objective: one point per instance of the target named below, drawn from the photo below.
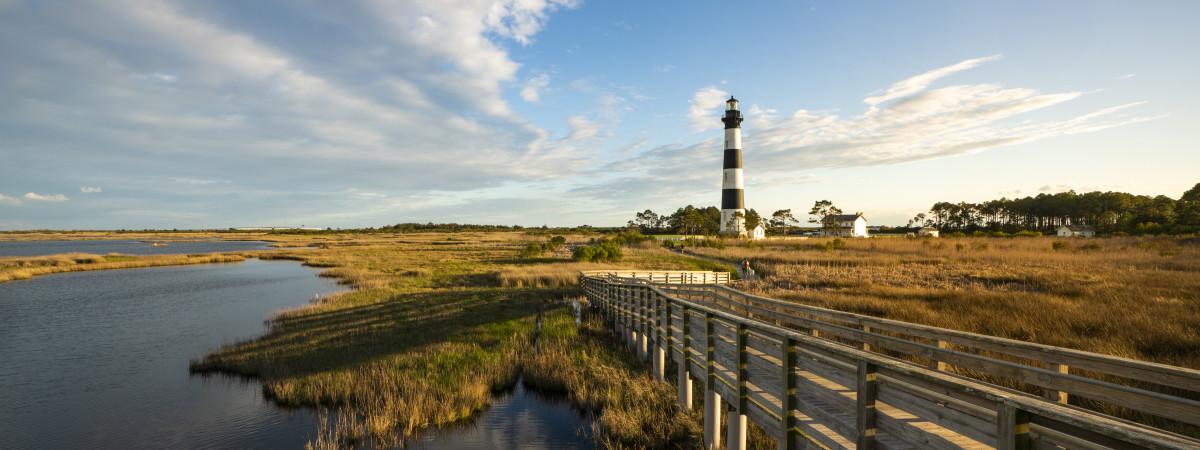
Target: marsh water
(100, 360)
(125, 247)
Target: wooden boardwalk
(817, 378)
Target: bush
(607, 251)
(1027, 233)
(1060, 245)
(531, 250)
(585, 253)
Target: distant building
(845, 225)
(928, 231)
(1076, 231)
(759, 231)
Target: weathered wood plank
(914, 406)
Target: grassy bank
(23, 268)
(436, 326)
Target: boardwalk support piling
(712, 418)
(736, 439)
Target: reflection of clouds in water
(519, 419)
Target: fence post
(660, 363)
(1053, 395)
(861, 344)
(933, 362)
(787, 359)
(685, 363)
(1012, 427)
(736, 440)
(866, 405)
(712, 400)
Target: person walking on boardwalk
(746, 268)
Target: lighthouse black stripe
(733, 158)
(731, 199)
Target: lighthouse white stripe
(733, 138)
(732, 179)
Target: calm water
(522, 419)
(127, 247)
(100, 359)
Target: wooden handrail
(956, 410)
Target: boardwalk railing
(814, 377)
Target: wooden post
(866, 405)
(685, 388)
(933, 362)
(1012, 428)
(787, 359)
(660, 361)
(742, 374)
(736, 439)
(643, 325)
(1053, 395)
(685, 363)
(709, 354)
(863, 345)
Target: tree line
(1107, 212)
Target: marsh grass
(596, 373)
(431, 333)
(1132, 297)
(435, 326)
(23, 268)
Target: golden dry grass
(22, 268)
(1130, 297)
(437, 323)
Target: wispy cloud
(704, 102)
(911, 121)
(46, 198)
(9, 201)
(532, 92)
(89, 189)
(1081, 188)
(920, 82)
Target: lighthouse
(733, 208)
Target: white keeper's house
(1076, 231)
(845, 225)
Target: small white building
(759, 231)
(1076, 231)
(845, 225)
(928, 231)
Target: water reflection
(100, 359)
(520, 419)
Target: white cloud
(703, 103)
(920, 82)
(9, 201)
(1127, 76)
(533, 87)
(913, 121)
(46, 198)
(1082, 188)
(89, 189)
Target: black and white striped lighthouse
(733, 208)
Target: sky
(123, 114)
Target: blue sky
(161, 114)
